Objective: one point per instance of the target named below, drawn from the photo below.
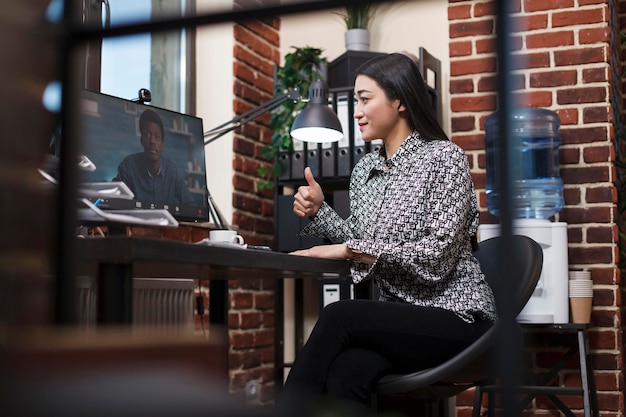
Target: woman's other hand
(309, 198)
(336, 251)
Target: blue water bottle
(538, 189)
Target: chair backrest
(524, 260)
(472, 365)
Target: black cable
(200, 306)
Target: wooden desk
(118, 259)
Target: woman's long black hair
(400, 78)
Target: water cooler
(537, 195)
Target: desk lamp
(316, 123)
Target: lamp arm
(219, 131)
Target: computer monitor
(121, 138)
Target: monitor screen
(157, 153)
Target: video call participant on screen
(149, 175)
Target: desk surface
(130, 250)
(557, 326)
(119, 259)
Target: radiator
(87, 301)
(157, 303)
(166, 303)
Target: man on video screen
(149, 175)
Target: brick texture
(251, 308)
(566, 57)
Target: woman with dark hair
(413, 218)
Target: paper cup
(581, 295)
(580, 309)
(583, 286)
(580, 283)
(577, 275)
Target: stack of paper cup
(580, 296)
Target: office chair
(471, 367)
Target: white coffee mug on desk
(226, 236)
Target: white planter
(358, 40)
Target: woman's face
(377, 116)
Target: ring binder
(284, 160)
(312, 159)
(329, 160)
(297, 160)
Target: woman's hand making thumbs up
(309, 198)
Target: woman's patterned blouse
(416, 213)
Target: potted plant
(357, 19)
(301, 67)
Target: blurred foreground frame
(91, 389)
(116, 371)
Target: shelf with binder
(194, 181)
(328, 161)
(194, 175)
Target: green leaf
(301, 67)
(358, 16)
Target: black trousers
(355, 342)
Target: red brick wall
(251, 314)
(565, 46)
(255, 54)
(618, 97)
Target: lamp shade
(317, 122)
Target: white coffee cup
(225, 236)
